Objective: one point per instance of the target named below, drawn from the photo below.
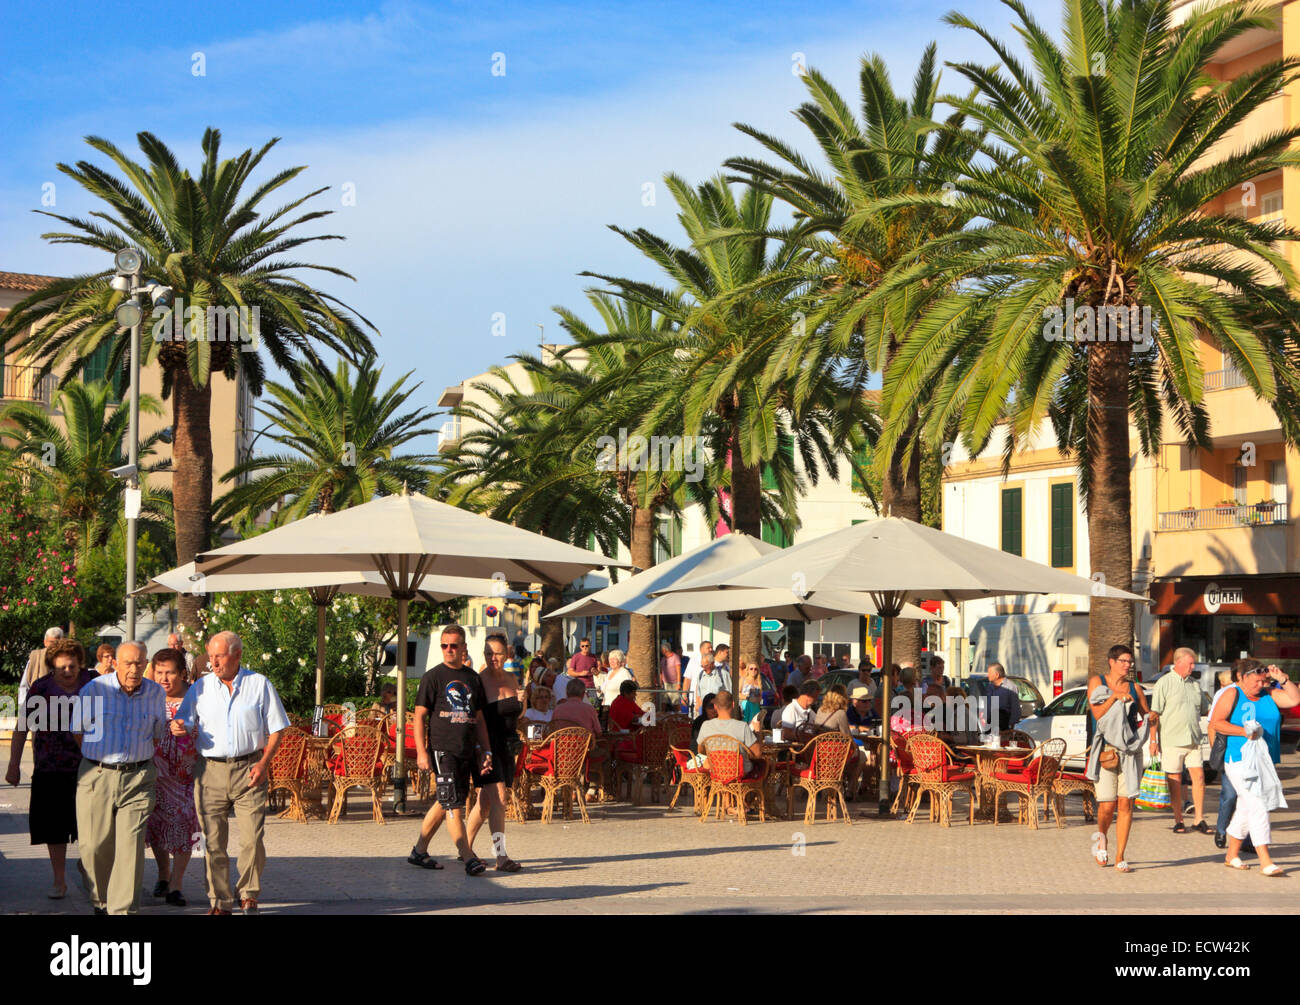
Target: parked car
(1031, 699)
(1066, 717)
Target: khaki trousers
(222, 785)
(112, 810)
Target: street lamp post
(130, 314)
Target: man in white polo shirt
(239, 718)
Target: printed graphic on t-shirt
(458, 697)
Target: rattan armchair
(937, 775)
(1030, 778)
(697, 778)
(727, 778)
(825, 773)
(648, 759)
(287, 771)
(1068, 783)
(356, 753)
(903, 770)
(568, 752)
(1016, 738)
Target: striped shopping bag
(1153, 792)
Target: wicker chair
(678, 728)
(727, 779)
(696, 778)
(937, 776)
(825, 773)
(568, 750)
(1017, 738)
(904, 771)
(287, 771)
(371, 716)
(1031, 778)
(356, 753)
(648, 759)
(1068, 782)
(301, 722)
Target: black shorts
(52, 812)
(452, 772)
(503, 766)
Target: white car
(1066, 716)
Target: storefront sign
(1216, 596)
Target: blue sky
(475, 193)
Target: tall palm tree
(896, 148)
(211, 240)
(1098, 189)
(522, 462)
(734, 300)
(74, 458)
(341, 436)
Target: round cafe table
(778, 753)
(985, 758)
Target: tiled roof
(24, 281)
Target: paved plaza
(644, 860)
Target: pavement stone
(633, 860)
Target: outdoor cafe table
(775, 752)
(985, 758)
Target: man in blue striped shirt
(122, 717)
(238, 717)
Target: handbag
(1220, 745)
(1109, 758)
(1153, 792)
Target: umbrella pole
(399, 732)
(320, 651)
(886, 692)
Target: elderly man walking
(36, 666)
(1177, 703)
(122, 717)
(238, 718)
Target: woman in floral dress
(173, 825)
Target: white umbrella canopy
(898, 561)
(405, 538)
(714, 557)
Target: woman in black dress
(503, 708)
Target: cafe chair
(727, 781)
(565, 756)
(1067, 783)
(936, 774)
(825, 773)
(697, 778)
(355, 759)
(903, 771)
(1016, 738)
(678, 728)
(1029, 778)
(287, 770)
(643, 756)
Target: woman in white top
(540, 710)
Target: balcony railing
(1223, 380)
(449, 434)
(25, 383)
(1220, 517)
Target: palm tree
(897, 148)
(1098, 187)
(341, 438)
(210, 239)
(734, 303)
(522, 462)
(74, 458)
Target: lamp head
(128, 261)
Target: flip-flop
(1123, 867)
(1099, 851)
(1180, 828)
(423, 859)
(58, 893)
(1237, 864)
(509, 865)
(1203, 827)
(475, 867)
(1273, 871)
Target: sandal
(1273, 871)
(1123, 867)
(475, 867)
(508, 865)
(161, 887)
(1099, 851)
(1236, 863)
(423, 859)
(58, 893)
(1203, 827)
(1180, 828)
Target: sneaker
(249, 906)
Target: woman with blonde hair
(833, 717)
(749, 692)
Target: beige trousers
(112, 810)
(220, 787)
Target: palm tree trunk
(746, 517)
(192, 480)
(1110, 542)
(900, 492)
(553, 629)
(640, 637)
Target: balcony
(25, 383)
(1224, 380)
(1221, 517)
(449, 435)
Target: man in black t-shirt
(450, 701)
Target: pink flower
(66, 580)
(4, 607)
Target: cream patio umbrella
(322, 587)
(405, 538)
(898, 561)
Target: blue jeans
(1227, 802)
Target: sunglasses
(450, 645)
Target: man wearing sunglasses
(582, 665)
(450, 701)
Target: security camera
(125, 471)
